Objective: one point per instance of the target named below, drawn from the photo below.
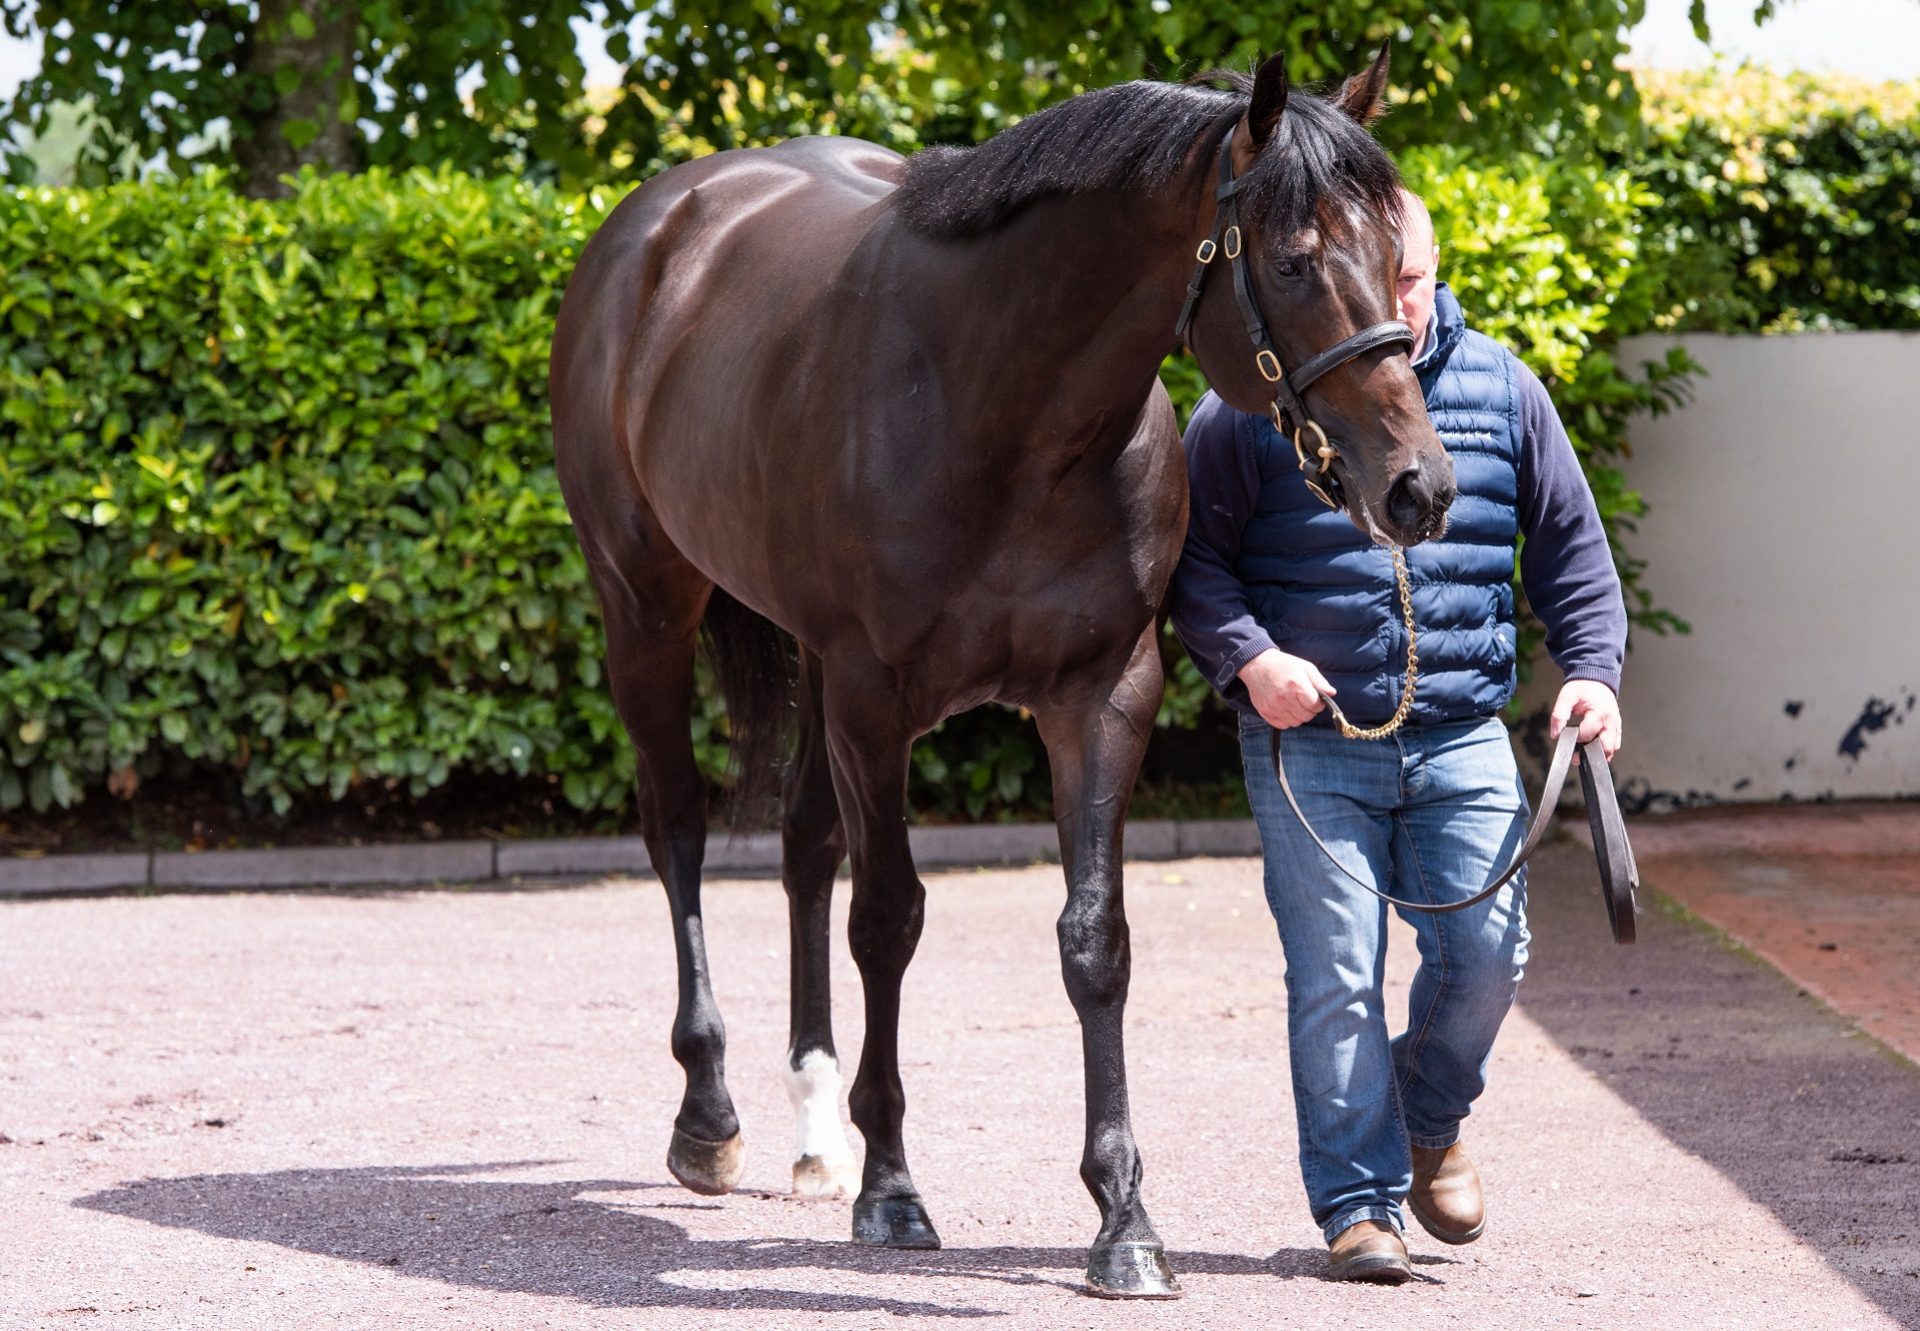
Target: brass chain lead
(1399, 716)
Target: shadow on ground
(1738, 1066)
(560, 1239)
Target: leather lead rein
(1619, 876)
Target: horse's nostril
(1418, 506)
(1410, 501)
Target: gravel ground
(450, 1109)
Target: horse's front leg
(1095, 752)
(870, 738)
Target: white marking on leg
(822, 1162)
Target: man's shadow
(440, 1223)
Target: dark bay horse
(890, 431)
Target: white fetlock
(823, 1162)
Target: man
(1280, 600)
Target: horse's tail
(757, 667)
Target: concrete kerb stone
(1153, 839)
(327, 866)
(1218, 836)
(410, 864)
(567, 857)
(746, 852)
(983, 844)
(21, 876)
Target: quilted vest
(1325, 593)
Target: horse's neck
(1070, 309)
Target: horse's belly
(1057, 642)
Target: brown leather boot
(1370, 1250)
(1446, 1197)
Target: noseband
(1290, 415)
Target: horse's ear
(1269, 98)
(1364, 95)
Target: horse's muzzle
(1418, 502)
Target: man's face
(1419, 270)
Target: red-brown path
(1829, 893)
(448, 1109)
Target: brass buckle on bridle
(1326, 452)
(1324, 455)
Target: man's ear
(1364, 96)
(1269, 99)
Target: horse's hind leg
(812, 844)
(653, 610)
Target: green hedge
(1789, 201)
(276, 496)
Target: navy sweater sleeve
(1565, 564)
(1207, 601)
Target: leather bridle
(1290, 414)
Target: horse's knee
(1095, 952)
(886, 926)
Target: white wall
(1784, 524)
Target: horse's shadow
(440, 1223)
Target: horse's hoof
(893, 1222)
(708, 1168)
(825, 1177)
(1131, 1271)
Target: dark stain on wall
(1637, 795)
(1873, 717)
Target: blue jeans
(1430, 814)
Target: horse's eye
(1287, 268)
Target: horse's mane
(1138, 137)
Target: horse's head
(1314, 230)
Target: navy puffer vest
(1325, 593)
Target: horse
(888, 435)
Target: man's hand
(1284, 689)
(1593, 705)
